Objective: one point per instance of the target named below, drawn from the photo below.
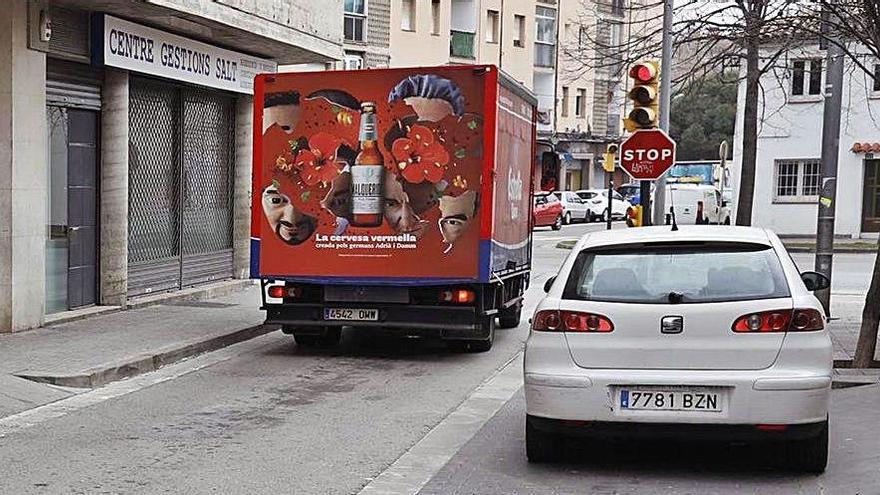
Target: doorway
(871, 197)
(72, 242)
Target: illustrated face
(398, 211)
(338, 198)
(430, 109)
(286, 116)
(456, 214)
(452, 227)
(291, 225)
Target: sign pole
(645, 201)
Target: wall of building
(420, 47)
(23, 174)
(792, 129)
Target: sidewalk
(65, 359)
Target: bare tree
(854, 26)
(749, 34)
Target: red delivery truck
(393, 198)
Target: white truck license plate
(670, 400)
(351, 314)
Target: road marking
(33, 417)
(426, 458)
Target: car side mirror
(549, 283)
(815, 281)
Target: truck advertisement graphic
(378, 175)
(393, 199)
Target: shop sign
(127, 45)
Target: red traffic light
(643, 73)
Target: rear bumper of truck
(448, 322)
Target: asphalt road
(266, 416)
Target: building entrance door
(72, 244)
(871, 197)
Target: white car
(574, 208)
(597, 201)
(707, 332)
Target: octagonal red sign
(647, 154)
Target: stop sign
(647, 154)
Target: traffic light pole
(665, 99)
(610, 177)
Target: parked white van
(697, 204)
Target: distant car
(703, 333)
(547, 211)
(573, 207)
(629, 192)
(597, 202)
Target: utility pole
(665, 101)
(830, 145)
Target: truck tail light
(782, 320)
(281, 291)
(571, 321)
(458, 296)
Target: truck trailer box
(371, 187)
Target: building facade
(125, 143)
(788, 165)
(582, 93)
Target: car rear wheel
(567, 219)
(557, 225)
(809, 455)
(541, 446)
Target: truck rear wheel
(510, 317)
(477, 345)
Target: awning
(865, 147)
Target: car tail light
(281, 291)
(460, 296)
(571, 321)
(782, 320)
(771, 427)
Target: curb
(570, 245)
(838, 250)
(136, 365)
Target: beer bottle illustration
(367, 173)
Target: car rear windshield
(695, 272)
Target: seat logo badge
(671, 324)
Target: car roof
(664, 233)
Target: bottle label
(366, 185)
(368, 131)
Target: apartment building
(580, 107)
(582, 96)
(125, 144)
(439, 32)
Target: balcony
(545, 55)
(461, 44)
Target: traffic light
(610, 157)
(634, 216)
(645, 95)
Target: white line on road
(425, 459)
(32, 417)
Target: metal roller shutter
(181, 159)
(73, 85)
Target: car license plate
(351, 314)
(670, 400)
